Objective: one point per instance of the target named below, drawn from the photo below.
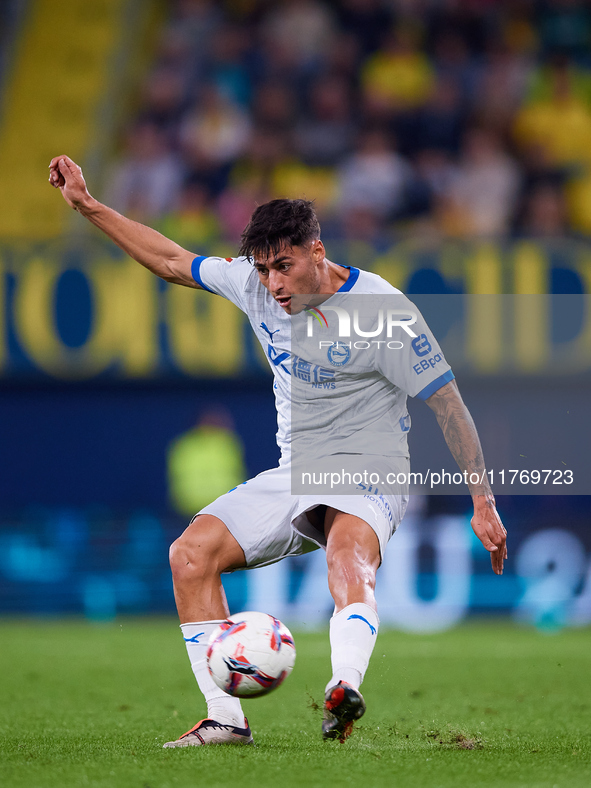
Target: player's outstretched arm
(159, 254)
(460, 435)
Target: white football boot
(212, 732)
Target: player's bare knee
(191, 558)
(204, 550)
(180, 558)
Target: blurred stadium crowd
(430, 118)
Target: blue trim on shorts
(436, 384)
(195, 266)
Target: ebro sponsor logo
(386, 319)
(421, 345)
(427, 363)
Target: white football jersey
(338, 391)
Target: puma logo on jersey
(270, 333)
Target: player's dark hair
(279, 223)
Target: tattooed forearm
(460, 434)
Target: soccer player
(259, 522)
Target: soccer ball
(250, 654)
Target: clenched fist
(66, 175)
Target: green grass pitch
(482, 705)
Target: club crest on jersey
(338, 354)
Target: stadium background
(447, 145)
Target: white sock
(220, 706)
(353, 633)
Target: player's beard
(308, 293)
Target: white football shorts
(269, 523)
